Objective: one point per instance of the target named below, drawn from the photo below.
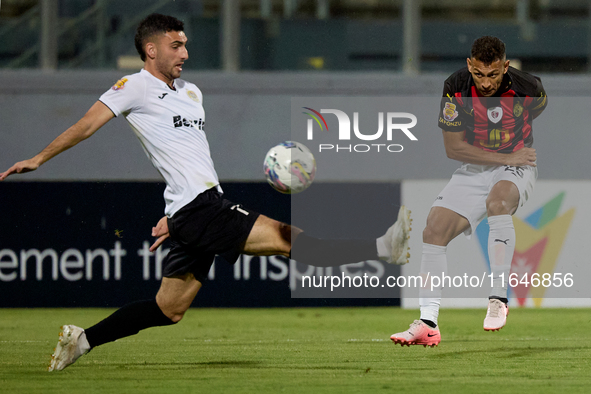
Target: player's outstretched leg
(419, 333)
(496, 315)
(71, 345)
(393, 246)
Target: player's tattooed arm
(458, 149)
(95, 118)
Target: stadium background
(104, 193)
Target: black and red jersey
(501, 123)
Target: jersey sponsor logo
(496, 137)
(450, 112)
(517, 110)
(120, 84)
(192, 95)
(447, 123)
(179, 121)
(495, 114)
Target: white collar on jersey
(164, 84)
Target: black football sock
(429, 323)
(126, 321)
(505, 300)
(332, 252)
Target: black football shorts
(208, 226)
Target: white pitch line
(23, 342)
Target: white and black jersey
(170, 126)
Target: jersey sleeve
(450, 115)
(125, 96)
(540, 100)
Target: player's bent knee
(499, 207)
(285, 232)
(438, 235)
(431, 236)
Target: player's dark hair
(152, 25)
(488, 49)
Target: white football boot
(71, 345)
(496, 315)
(396, 239)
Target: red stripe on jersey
(459, 98)
(526, 129)
(508, 121)
(480, 119)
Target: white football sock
(501, 245)
(83, 345)
(381, 246)
(433, 262)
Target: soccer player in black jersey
(486, 118)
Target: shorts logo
(192, 95)
(517, 171)
(120, 84)
(237, 208)
(495, 114)
(449, 112)
(517, 110)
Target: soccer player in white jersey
(166, 114)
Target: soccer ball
(290, 167)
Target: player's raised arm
(95, 118)
(458, 149)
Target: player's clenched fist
(522, 157)
(20, 168)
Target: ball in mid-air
(290, 167)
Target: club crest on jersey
(449, 112)
(495, 114)
(120, 84)
(192, 95)
(518, 110)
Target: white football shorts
(468, 189)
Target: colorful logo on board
(540, 237)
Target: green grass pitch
(307, 350)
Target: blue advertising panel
(85, 244)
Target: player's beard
(169, 70)
(174, 72)
(492, 91)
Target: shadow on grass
(172, 364)
(507, 352)
(217, 364)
